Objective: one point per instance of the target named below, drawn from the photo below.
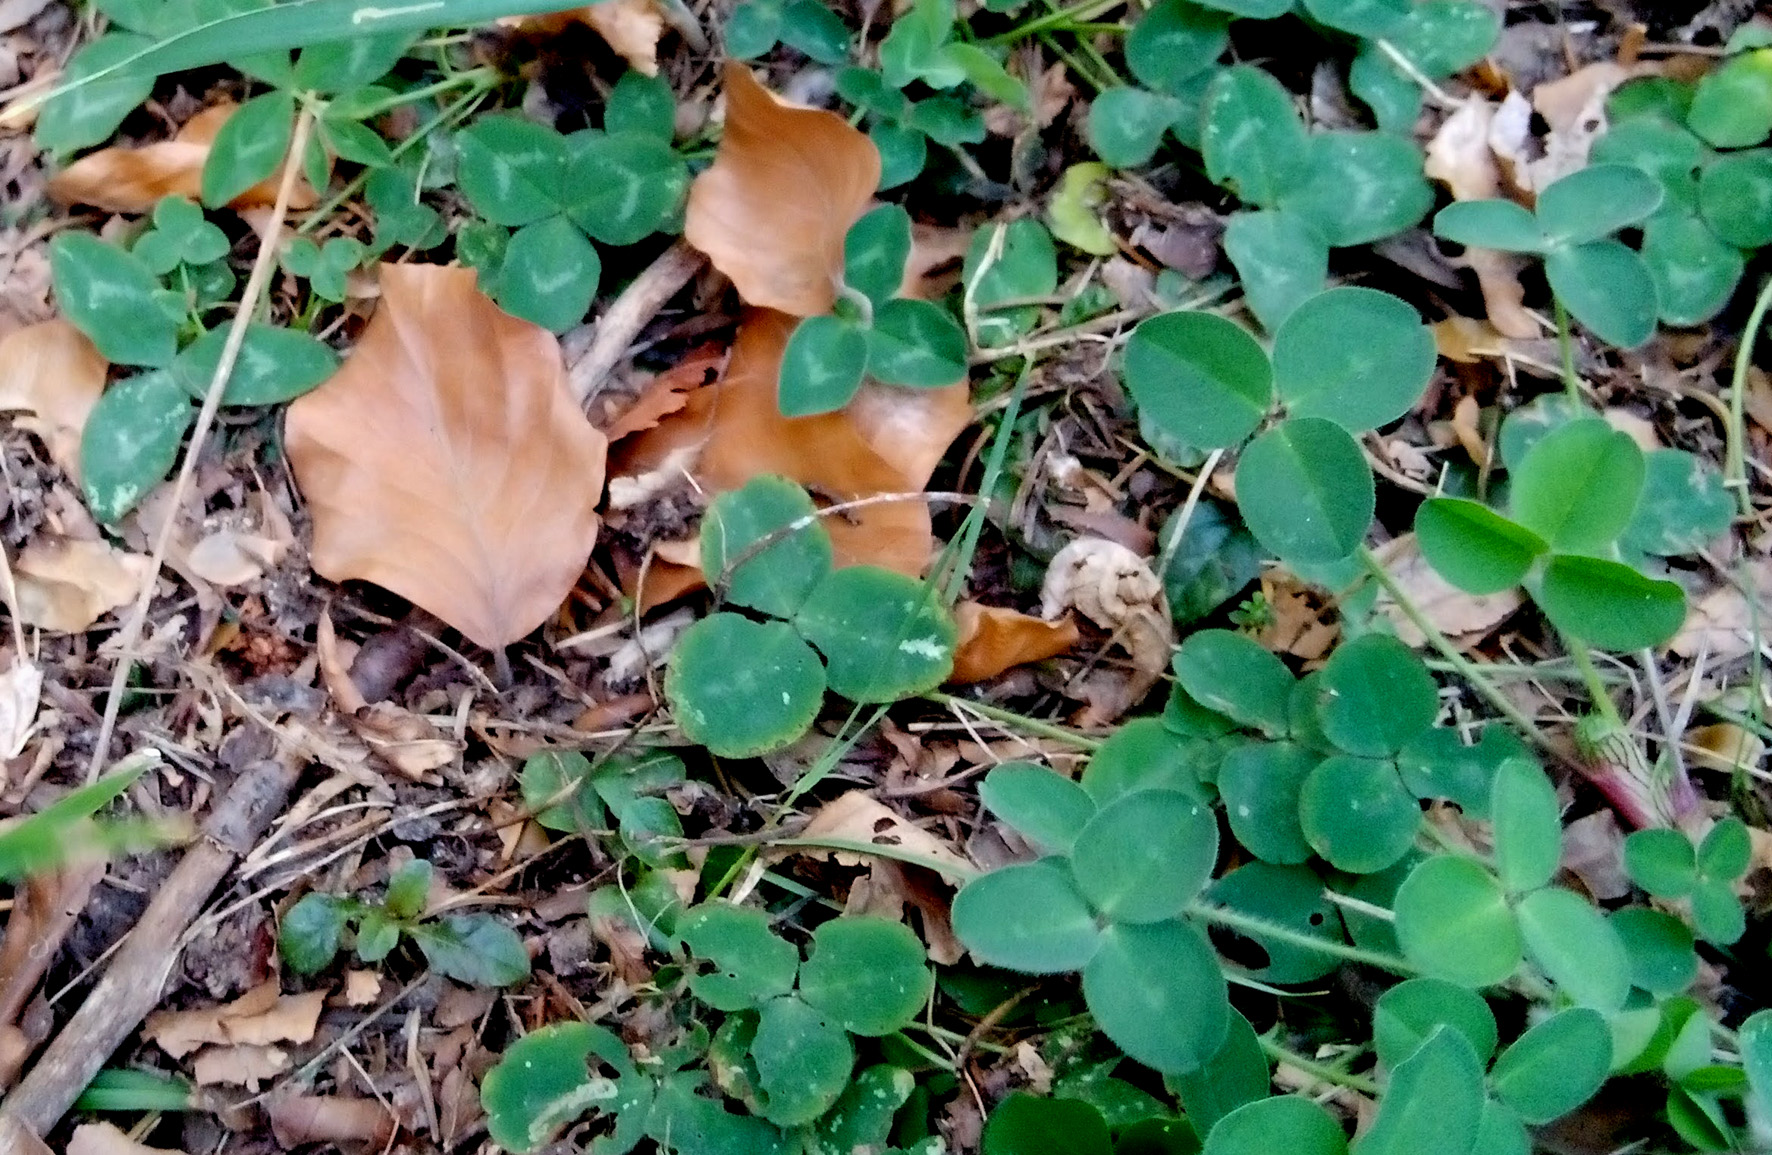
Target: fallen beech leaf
(667, 393)
(51, 371)
(244, 1066)
(106, 1139)
(21, 689)
(859, 817)
(994, 639)
(301, 1119)
(66, 585)
(132, 180)
(259, 1017)
(446, 460)
(1460, 616)
(772, 210)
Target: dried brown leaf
(107, 1139)
(243, 1066)
(994, 639)
(785, 186)
(446, 460)
(66, 585)
(859, 817)
(1114, 588)
(667, 393)
(300, 1119)
(133, 180)
(52, 372)
(1461, 616)
(260, 1016)
(405, 742)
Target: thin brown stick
(588, 363)
(255, 288)
(132, 986)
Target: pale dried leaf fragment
(107, 1139)
(259, 1017)
(229, 557)
(1116, 589)
(403, 741)
(446, 460)
(52, 372)
(65, 584)
(772, 210)
(21, 691)
(1461, 156)
(1722, 623)
(242, 1066)
(994, 639)
(1463, 617)
(133, 180)
(1725, 748)
(859, 817)
(300, 1119)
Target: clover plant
(786, 1046)
(1022, 264)
(873, 332)
(1345, 361)
(756, 26)
(470, 948)
(1666, 864)
(743, 685)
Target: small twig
(1440, 96)
(256, 284)
(609, 338)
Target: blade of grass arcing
(256, 284)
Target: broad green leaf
(1576, 947)
(1285, 1123)
(1375, 696)
(1357, 814)
(555, 785)
(1453, 921)
(1260, 783)
(1608, 604)
(1281, 259)
(1392, 94)
(946, 121)
(249, 148)
(1660, 949)
(85, 115)
(1214, 561)
(475, 949)
(1156, 991)
(511, 170)
(1683, 508)
(1369, 19)
(354, 142)
(774, 579)
(1755, 1036)
(1144, 857)
(641, 105)
(110, 296)
(810, 27)
(1199, 378)
(751, 964)
(1361, 187)
(1500, 1132)
(867, 975)
(1023, 264)
(1442, 37)
(1735, 196)
(1252, 138)
(1125, 125)
(1606, 287)
(1578, 487)
(549, 275)
(1306, 491)
(1143, 754)
(743, 688)
(1717, 913)
(274, 365)
(409, 888)
(1661, 148)
(1662, 862)
(341, 65)
(1288, 896)
(1174, 41)
(916, 343)
(1528, 826)
(542, 1083)
(822, 366)
(803, 1061)
(1358, 357)
(1473, 547)
(1433, 1104)
(621, 188)
(903, 153)
(1438, 764)
(1230, 673)
(1042, 805)
(874, 252)
(884, 635)
(1532, 422)
(1726, 852)
(1732, 107)
(1489, 224)
(1235, 1075)
(1556, 1066)
(912, 49)
(308, 940)
(1595, 202)
(1408, 1013)
(1695, 272)
(1025, 1124)
(131, 442)
(1650, 98)
(1029, 918)
(864, 1113)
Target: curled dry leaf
(106, 1139)
(65, 584)
(994, 639)
(1460, 616)
(299, 1119)
(446, 460)
(403, 741)
(1461, 157)
(52, 372)
(259, 1017)
(244, 1066)
(21, 689)
(133, 180)
(1114, 588)
(785, 186)
(859, 817)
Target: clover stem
(483, 78)
(1010, 718)
(1590, 677)
(1259, 928)
(1566, 347)
(1060, 20)
(1323, 1072)
(1466, 670)
(1735, 461)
